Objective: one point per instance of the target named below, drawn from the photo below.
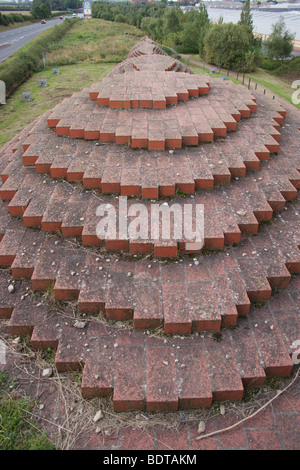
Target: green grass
(15, 115)
(276, 84)
(24, 62)
(15, 25)
(200, 70)
(288, 69)
(95, 39)
(18, 428)
(279, 83)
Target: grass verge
(279, 84)
(15, 114)
(18, 428)
(94, 40)
(28, 59)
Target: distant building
(143, 1)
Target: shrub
(230, 45)
(280, 42)
(269, 64)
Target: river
(262, 20)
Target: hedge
(23, 63)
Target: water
(262, 20)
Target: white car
(74, 15)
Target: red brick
(119, 297)
(195, 390)
(98, 372)
(274, 353)
(206, 313)
(45, 270)
(67, 284)
(238, 288)
(129, 385)
(225, 377)
(263, 439)
(161, 387)
(177, 316)
(247, 357)
(147, 308)
(256, 283)
(10, 245)
(26, 258)
(92, 294)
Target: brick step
(151, 89)
(112, 170)
(188, 124)
(144, 372)
(227, 215)
(55, 206)
(214, 289)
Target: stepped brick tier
(150, 373)
(188, 295)
(148, 89)
(186, 124)
(121, 170)
(247, 185)
(229, 212)
(146, 46)
(161, 63)
(158, 62)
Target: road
(18, 37)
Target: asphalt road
(18, 37)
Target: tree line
(231, 45)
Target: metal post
(249, 83)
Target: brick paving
(257, 349)
(148, 89)
(199, 326)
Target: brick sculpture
(176, 137)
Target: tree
(280, 42)
(173, 23)
(41, 9)
(246, 16)
(194, 30)
(229, 44)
